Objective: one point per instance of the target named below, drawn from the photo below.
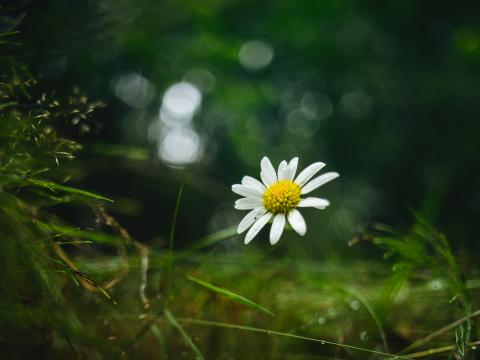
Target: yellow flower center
(281, 197)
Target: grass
(230, 295)
(310, 307)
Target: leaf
(231, 295)
(180, 329)
(54, 186)
(5, 105)
(211, 239)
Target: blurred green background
(197, 92)
(385, 92)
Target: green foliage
(333, 308)
(33, 266)
(425, 249)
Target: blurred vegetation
(33, 264)
(384, 92)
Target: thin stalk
(173, 321)
(172, 237)
(279, 333)
(366, 303)
(436, 351)
(439, 332)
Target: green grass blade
(211, 239)
(54, 186)
(5, 105)
(279, 333)
(366, 303)
(439, 332)
(171, 238)
(230, 295)
(128, 152)
(187, 338)
(92, 235)
(158, 335)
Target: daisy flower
(278, 196)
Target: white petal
(292, 168)
(319, 181)
(268, 174)
(246, 191)
(297, 222)
(314, 202)
(282, 170)
(253, 183)
(308, 172)
(277, 228)
(257, 226)
(250, 218)
(248, 203)
(265, 180)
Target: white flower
(279, 196)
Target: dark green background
(416, 62)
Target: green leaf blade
(54, 186)
(173, 321)
(230, 295)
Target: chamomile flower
(278, 196)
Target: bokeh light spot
(180, 102)
(180, 147)
(301, 125)
(316, 106)
(255, 55)
(134, 90)
(356, 104)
